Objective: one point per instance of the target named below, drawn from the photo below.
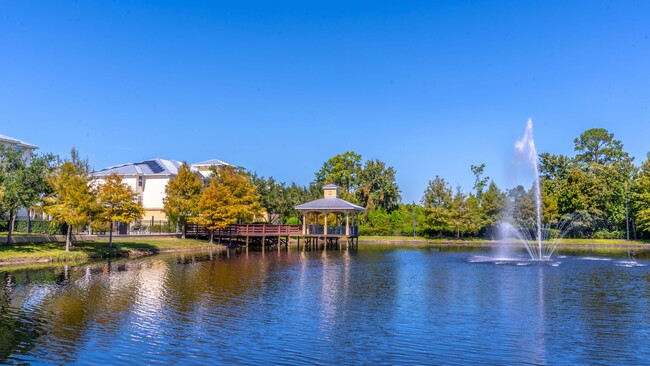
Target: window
(139, 181)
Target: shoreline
(87, 251)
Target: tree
(34, 183)
(216, 207)
(72, 200)
(493, 204)
(377, 187)
(479, 182)
(342, 170)
(117, 202)
(182, 196)
(597, 145)
(272, 196)
(245, 201)
(12, 169)
(437, 201)
(641, 197)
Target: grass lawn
(565, 241)
(80, 251)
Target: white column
(325, 227)
(347, 224)
(304, 224)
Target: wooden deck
(270, 234)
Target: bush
(293, 221)
(3, 226)
(604, 234)
(40, 227)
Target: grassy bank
(476, 241)
(84, 251)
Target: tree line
(599, 187)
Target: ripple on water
(394, 306)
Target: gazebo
(345, 216)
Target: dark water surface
(377, 306)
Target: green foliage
(377, 187)
(479, 182)
(292, 221)
(342, 170)
(641, 198)
(40, 227)
(598, 146)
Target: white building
(26, 148)
(149, 179)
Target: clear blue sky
(429, 87)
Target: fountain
(542, 244)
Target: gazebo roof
(329, 204)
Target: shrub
(604, 234)
(293, 221)
(40, 227)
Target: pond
(376, 305)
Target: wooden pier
(273, 234)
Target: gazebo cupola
(331, 190)
(333, 206)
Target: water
(375, 306)
(540, 245)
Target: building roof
(210, 162)
(150, 167)
(13, 141)
(329, 204)
(330, 186)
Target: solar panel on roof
(154, 166)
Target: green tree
(377, 187)
(597, 145)
(274, 198)
(493, 203)
(342, 170)
(479, 182)
(182, 197)
(641, 198)
(12, 170)
(117, 202)
(437, 202)
(72, 200)
(34, 183)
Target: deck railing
(247, 230)
(331, 230)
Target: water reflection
(375, 306)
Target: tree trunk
(29, 221)
(211, 237)
(68, 238)
(110, 235)
(184, 231)
(10, 229)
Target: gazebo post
(304, 227)
(347, 224)
(325, 221)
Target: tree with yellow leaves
(72, 201)
(182, 196)
(229, 198)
